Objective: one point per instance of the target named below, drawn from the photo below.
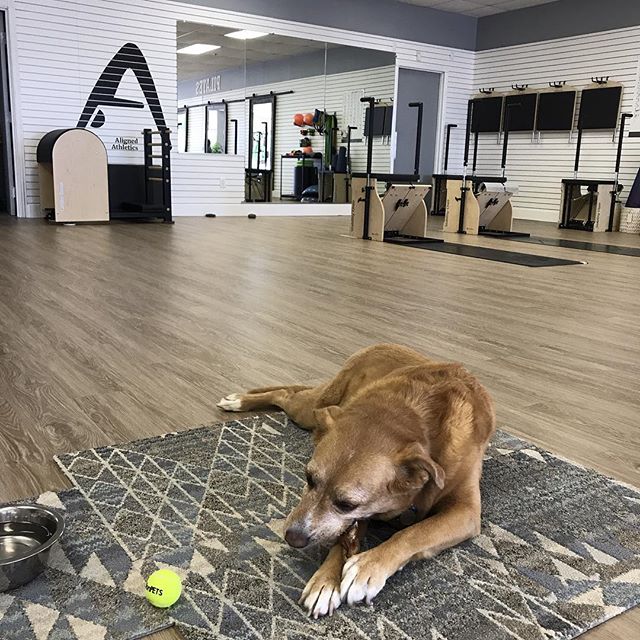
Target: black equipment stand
(151, 208)
(164, 167)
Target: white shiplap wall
(308, 95)
(60, 47)
(537, 168)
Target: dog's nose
(296, 537)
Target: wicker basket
(630, 220)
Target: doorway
(416, 86)
(7, 175)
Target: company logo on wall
(208, 85)
(104, 92)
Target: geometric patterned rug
(558, 554)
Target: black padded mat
(580, 244)
(485, 253)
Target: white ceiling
(477, 8)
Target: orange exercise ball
(308, 118)
(298, 119)
(307, 150)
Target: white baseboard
(540, 215)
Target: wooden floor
(111, 333)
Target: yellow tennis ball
(163, 588)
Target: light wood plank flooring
(111, 333)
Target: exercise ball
(308, 118)
(307, 150)
(298, 119)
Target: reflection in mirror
(262, 110)
(292, 110)
(183, 114)
(216, 128)
(210, 114)
(330, 122)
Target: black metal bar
(475, 153)
(235, 135)
(614, 191)
(416, 162)
(446, 146)
(250, 152)
(146, 136)
(464, 188)
(623, 120)
(368, 188)
(505, 143)
(467, 134)
(576, 164)
(186, 129)
(206, 128)
(166, 175)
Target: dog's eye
(344, 506)
(311, 483)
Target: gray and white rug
(559, 551)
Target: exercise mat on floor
(558, 554)
(579, 244)
(486, 253)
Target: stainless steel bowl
(27, 533)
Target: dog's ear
(325, 419)
(415, 467)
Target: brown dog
(396, 436)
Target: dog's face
(358, 470)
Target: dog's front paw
(363, 577)
(321, 596)
(231, 403)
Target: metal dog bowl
(27, 533)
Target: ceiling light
(198, 49)
(246, 34)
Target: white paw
(362, 578)
(320, 597)
(231, 403)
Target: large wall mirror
(289, 106)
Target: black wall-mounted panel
(378, 121)
(487, 115)
(388, 119)
(556, 110)
(521, 108)
(599, 108)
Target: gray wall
(379, 17)
(339, 60)
(416, 86)
(555, 20)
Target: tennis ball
(163, 588)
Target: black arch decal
(104, 92)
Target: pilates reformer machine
(598, 208)
(401, 212)
(478, 205)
